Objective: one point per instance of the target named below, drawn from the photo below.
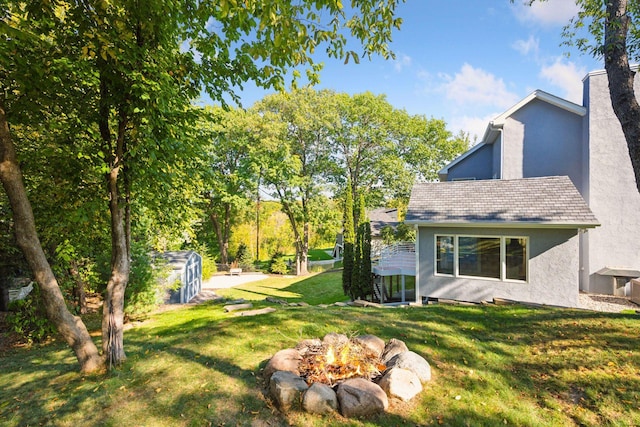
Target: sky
(466, 61)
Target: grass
(199, 366)
(319, 254)
(315, 289)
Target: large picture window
(500, 258)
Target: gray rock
(400, 384)
(320, 399)
(335, 340)
(393, 347)
(284, 360)
(304, 345)
(235, 307)
(360, 397)
(412, 362)
(371, 343)
(286, 389)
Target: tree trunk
(69, 326)
(113, 306)
(78, 288)
(304, 250)
(620, 75)
(222, 245)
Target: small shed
(186, 268)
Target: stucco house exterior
(550, 185)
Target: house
(550, 187)
(380, 218)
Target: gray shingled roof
(381, 217)
(546, 201)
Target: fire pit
(354, 376)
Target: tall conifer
(348, 241)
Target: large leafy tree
(383, 150)
(229, 168)
(138, 67)
(300, 175)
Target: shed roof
(176, 259)
(529, 202)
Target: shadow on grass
(491, 365)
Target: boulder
(400, 384)
(360, 397)
(320, 399)
(335, 340)
(393, 347)
(284, 360)
(371, 343)
(287, 389)
(304, 345)
(412, 362)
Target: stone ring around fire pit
(352, 376)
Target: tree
(348, 242)
(613, 24)
(139, 68)
(299, 177)
(362, 280)
(230, 172)
(383, 150)
(28, 88)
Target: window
(500, 258)
(444, 254)
(516, 258)
(479, 256)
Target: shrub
(278, 264)
(243, 257)
(143, 291)
(209, 267)
(28, 319)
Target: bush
(244, 258)
(28, 319)
(209, 267)
(278, 264)
(143, 291)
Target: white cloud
(475, 87)
(566, 76)
(474, 126)
(401, 62)
(525, 47)
(546, 13)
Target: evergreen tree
(348, 241)
(361, 279)
(366, 278)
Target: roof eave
(502, 224)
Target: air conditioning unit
(635, 290)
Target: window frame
(503, 256)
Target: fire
(331, 364)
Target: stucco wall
(478, 165)
(612, 193)
(543, 140)
(553, 269)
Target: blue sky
(466, 61)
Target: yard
(200, 366)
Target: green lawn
(199, 366)
(325, 288)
